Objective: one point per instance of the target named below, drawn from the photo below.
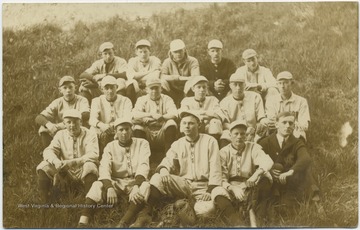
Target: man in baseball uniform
(206, 107)
(217, 70)
(177, 70)
(257, 78)
(123, 170)
(199, 170)
(141, 67)
(73, 154)
(105, 109)
(154, 117)
(290, 102)
(242, 105)
(243, 166)
(109, 64)
(51, 119)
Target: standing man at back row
(217, 70)
(257, 78)
(109, 64)
(176, 71)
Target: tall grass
(317, 42)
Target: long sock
(88, 181)
(132, 211)
(170, 137)
(229, 214)
(131, 94)
(45, 139)
(88, 212)
(44, 183)
(154, 197)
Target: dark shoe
(122, 224)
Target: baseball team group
(209, 134)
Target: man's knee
(89, 168)
(215, 126)
(95, 192)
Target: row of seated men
(277, 170)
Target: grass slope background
(317, 42)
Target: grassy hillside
(317, 42)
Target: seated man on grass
(123, 171)
(51, 118)
(72, 155)
(154, 118)
(206, 107)
(291, 172)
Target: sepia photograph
(180, 115)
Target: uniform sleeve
(224, 111)
(261, 159)
(194, 67)
(143, 167)
(171, 155)
(130, 71)
(165, 67)
(83, 105)
(94, 68)
(270, 80)
(271, 108)
(170, 106)
(51, 111)
(184, 105)
(156, 64)
(260, 113)
(304, 114)
(53, 151)
(217, 109)
(94, 112)
(91, 148)
(121, 66)
(224, 167)
(127, 106)
(105, 164)
(215, 175)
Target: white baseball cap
(74, 113)
(215, 44)
(238, 123)
(122, 120)
(235, 77)
(142, 42)
(186, 113)
(108, 80)
(66, 79)
(177, 44)
(248, 53)
(285, 75)
(153, 81)
(106, 45)
(198, 79)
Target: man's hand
(253, 180)
(219, 85)
(148, 120)
(111, 196)
(275, 173)
(87, 83)
(99, 77)
(52, 128)
(238, 191)
(283, 176)
(58, 164)
(105, 128)
(60, 126)
(135, 196)
(205, 197)
(157, 116)
(165, 176)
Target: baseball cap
(66, 79)
(74, 113)
(248, 53)
(284, 75)
(106, 45)
(177, 44)
(235, 77)
(215, 44)
(143, 42)
(153, 81)
(186, 113)
(237, 123)
(122, 120)
(198, 79)
(108, 80)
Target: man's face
(251, 63)
(123, 132)
(189, 126)
(143, 53)
(178, 55)
(68, 90)
(238, 135)
(215, 54)
(237, 89)
(200, 89)
(284, 86)
(154, 92)
(285, 125)
(108, 55)
(109, 91)
(73, 125)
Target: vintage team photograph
(180, 115)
